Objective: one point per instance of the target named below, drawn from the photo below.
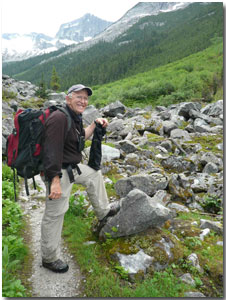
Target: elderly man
(62, 152)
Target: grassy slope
(187, 77)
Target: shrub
(212, 204)
(13, 248)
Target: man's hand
(102, 121)
(90, 129)
(55, 189)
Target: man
(62, 153)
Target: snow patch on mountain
(132, 16)
(17, 47)
(83, 32)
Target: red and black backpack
(24, 144)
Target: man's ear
(68, 99)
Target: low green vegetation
(208, 142)
(14, 249)
(198, 77)
(7, 96)
(106, 278)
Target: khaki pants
(55, 209)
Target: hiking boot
(57, 266)
(115, 207)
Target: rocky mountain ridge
(82, 29)
(132, 16)
(169, 160)
(85, 31)
(19, 47)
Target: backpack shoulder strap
(64, 110)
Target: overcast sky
(46, 16)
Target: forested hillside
(196, 77)
(152, 42)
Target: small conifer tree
(42, 92)
(55, 80)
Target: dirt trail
(46, 283)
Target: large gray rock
(138, 212)
(113, 109)
(155, 126)
(134, 263)
(195, 114)
(126, 146)
(7, 126)
(213, 109)
(215, 226)
(90, 114)
(149, 184)
(209, 157)
(168, 126)
(6, 110)
(180, 134)
(4, 145)
(187, 279)
(210, 168)
(178, 164)
(116, 125)
(178, 191)
(194, 260)
(59, 97)
(201, 182)
(194, 295)
(186, 107)
(109, 153)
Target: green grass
(101, 278)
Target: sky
(46, 16)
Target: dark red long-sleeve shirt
(60, 145)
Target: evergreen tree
(55, 80)
(42, 92)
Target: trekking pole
(14, 184)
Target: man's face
(78, 102)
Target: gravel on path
(44, 282)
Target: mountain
(158, 36)
(82, 29)
(16, 47)
(142, 9)
(131, 17)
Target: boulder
(180, 134)
(186, 107)
(113, 109)
(134, 263)
(59, 97)
(215, 226)
(90, 114)
(149, 184)
(178, 164)
(138, 212)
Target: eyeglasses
(80, 98)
